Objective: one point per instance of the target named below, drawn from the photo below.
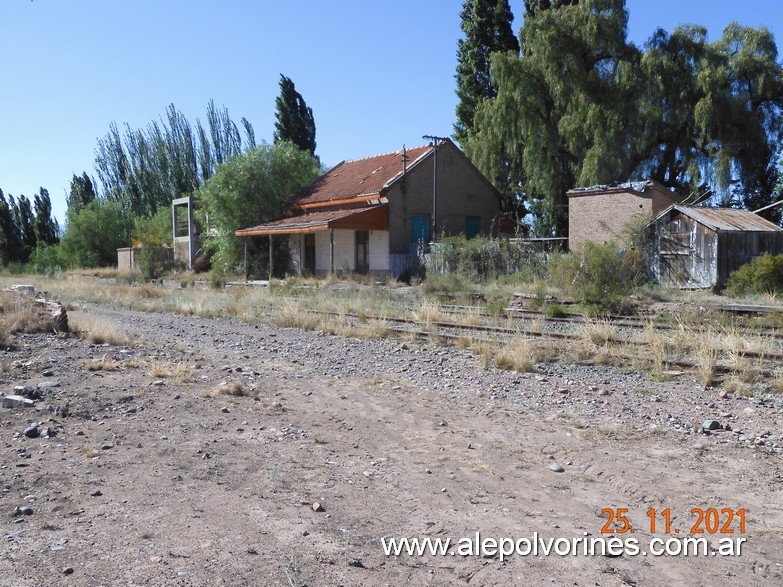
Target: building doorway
(362, 252)
(309, 254)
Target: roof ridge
(397, 152)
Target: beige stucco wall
(462, 192)
(344, 251)
(379, 250)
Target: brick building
(370, 215)
(599, 213)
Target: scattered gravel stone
(557, 468)
(317, 507)
(68, 571)
(17, 401)
(32, 432)
(711, 425)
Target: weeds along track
(705, 342)
(748, 352)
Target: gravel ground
(142, 479)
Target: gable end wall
(462, 191)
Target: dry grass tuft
(428, 313)
(485, 351)
(180, 372)
(290, 314)
(103, 364)
(776, 385)
(598, 332)
(159, 369)
(738, 387)
(706, 363)
(99, 331)
(519, 354)
(20, 313)
(233, 388)
(147, 291)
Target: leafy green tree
(45, 259)
(294, 119)
(534, 7)
(152, 234)
(249, 190)
(487, 28)
(94, 234)
(82, 192)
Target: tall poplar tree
(294, 119)
(82, 192)
(46, 228)
(25, 223)
(487, 28)
(10, 243)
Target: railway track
(767, 361)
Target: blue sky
(376, 74)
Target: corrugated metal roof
(728, 219)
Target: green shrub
(554, 310)
(600, 275)
(150, 261)
(46, 260)
(763, 275)
(483, 259)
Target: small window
(472, 226)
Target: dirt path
(151, 481)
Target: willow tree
(712, 114)
(564, 113)
(582, 106)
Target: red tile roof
(373, 217)
(354, 179)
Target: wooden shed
(699, 247)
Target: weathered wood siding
(687, 254)
(684, 253)
(735, 249)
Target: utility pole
(435, 142)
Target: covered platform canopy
(372, 218)
(365, 218)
